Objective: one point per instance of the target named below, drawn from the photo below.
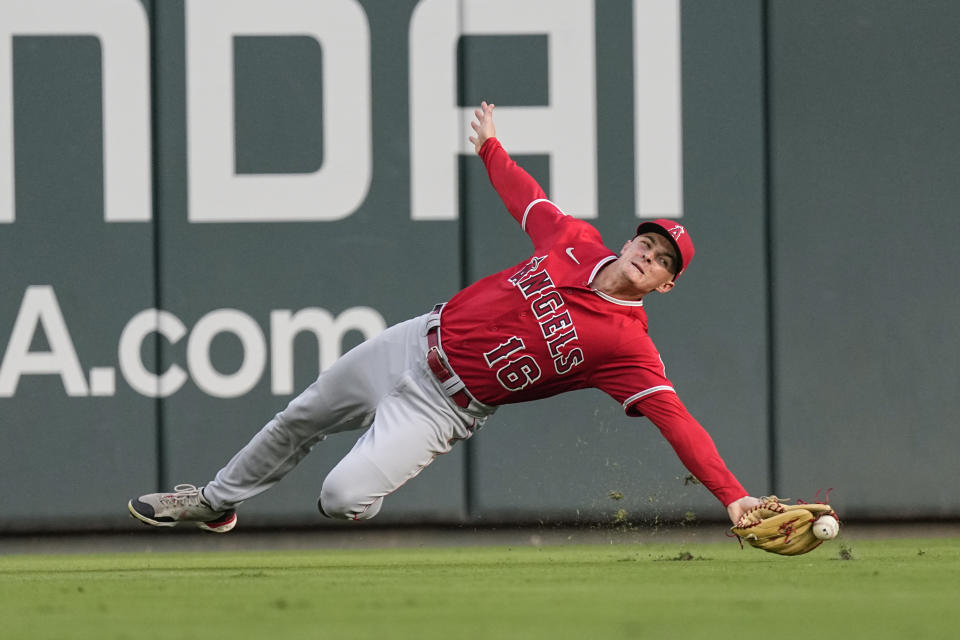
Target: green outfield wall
(205, 202)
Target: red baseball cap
(677, 234)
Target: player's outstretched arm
(696, 450)
(483, 125)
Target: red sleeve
(513, 184)
(693, 445)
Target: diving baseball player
(569, 317)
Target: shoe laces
(186, 495)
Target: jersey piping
(523, 221)
(596, 269)
(646, 392)
(626, 303)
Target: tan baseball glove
(781, 528)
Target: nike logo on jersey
(572, 257)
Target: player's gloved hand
(785, 529)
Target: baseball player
(569, 317)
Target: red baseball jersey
(538, 328)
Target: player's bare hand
(483, 125)
(740, 507)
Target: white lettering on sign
(335, 190)
(40, 311)
(121, 27)
(206, 377)
(657, 125)
(329, 331)
(565, 128)
(141, 379)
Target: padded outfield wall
(205, 202)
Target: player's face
(648, 262)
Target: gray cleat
(185, 504)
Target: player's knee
(339, 502)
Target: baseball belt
(452, 385)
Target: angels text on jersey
(516, 367)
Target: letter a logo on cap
(677, 231)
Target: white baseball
(826, 527)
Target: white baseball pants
(383, 385)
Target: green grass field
(885, 589)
